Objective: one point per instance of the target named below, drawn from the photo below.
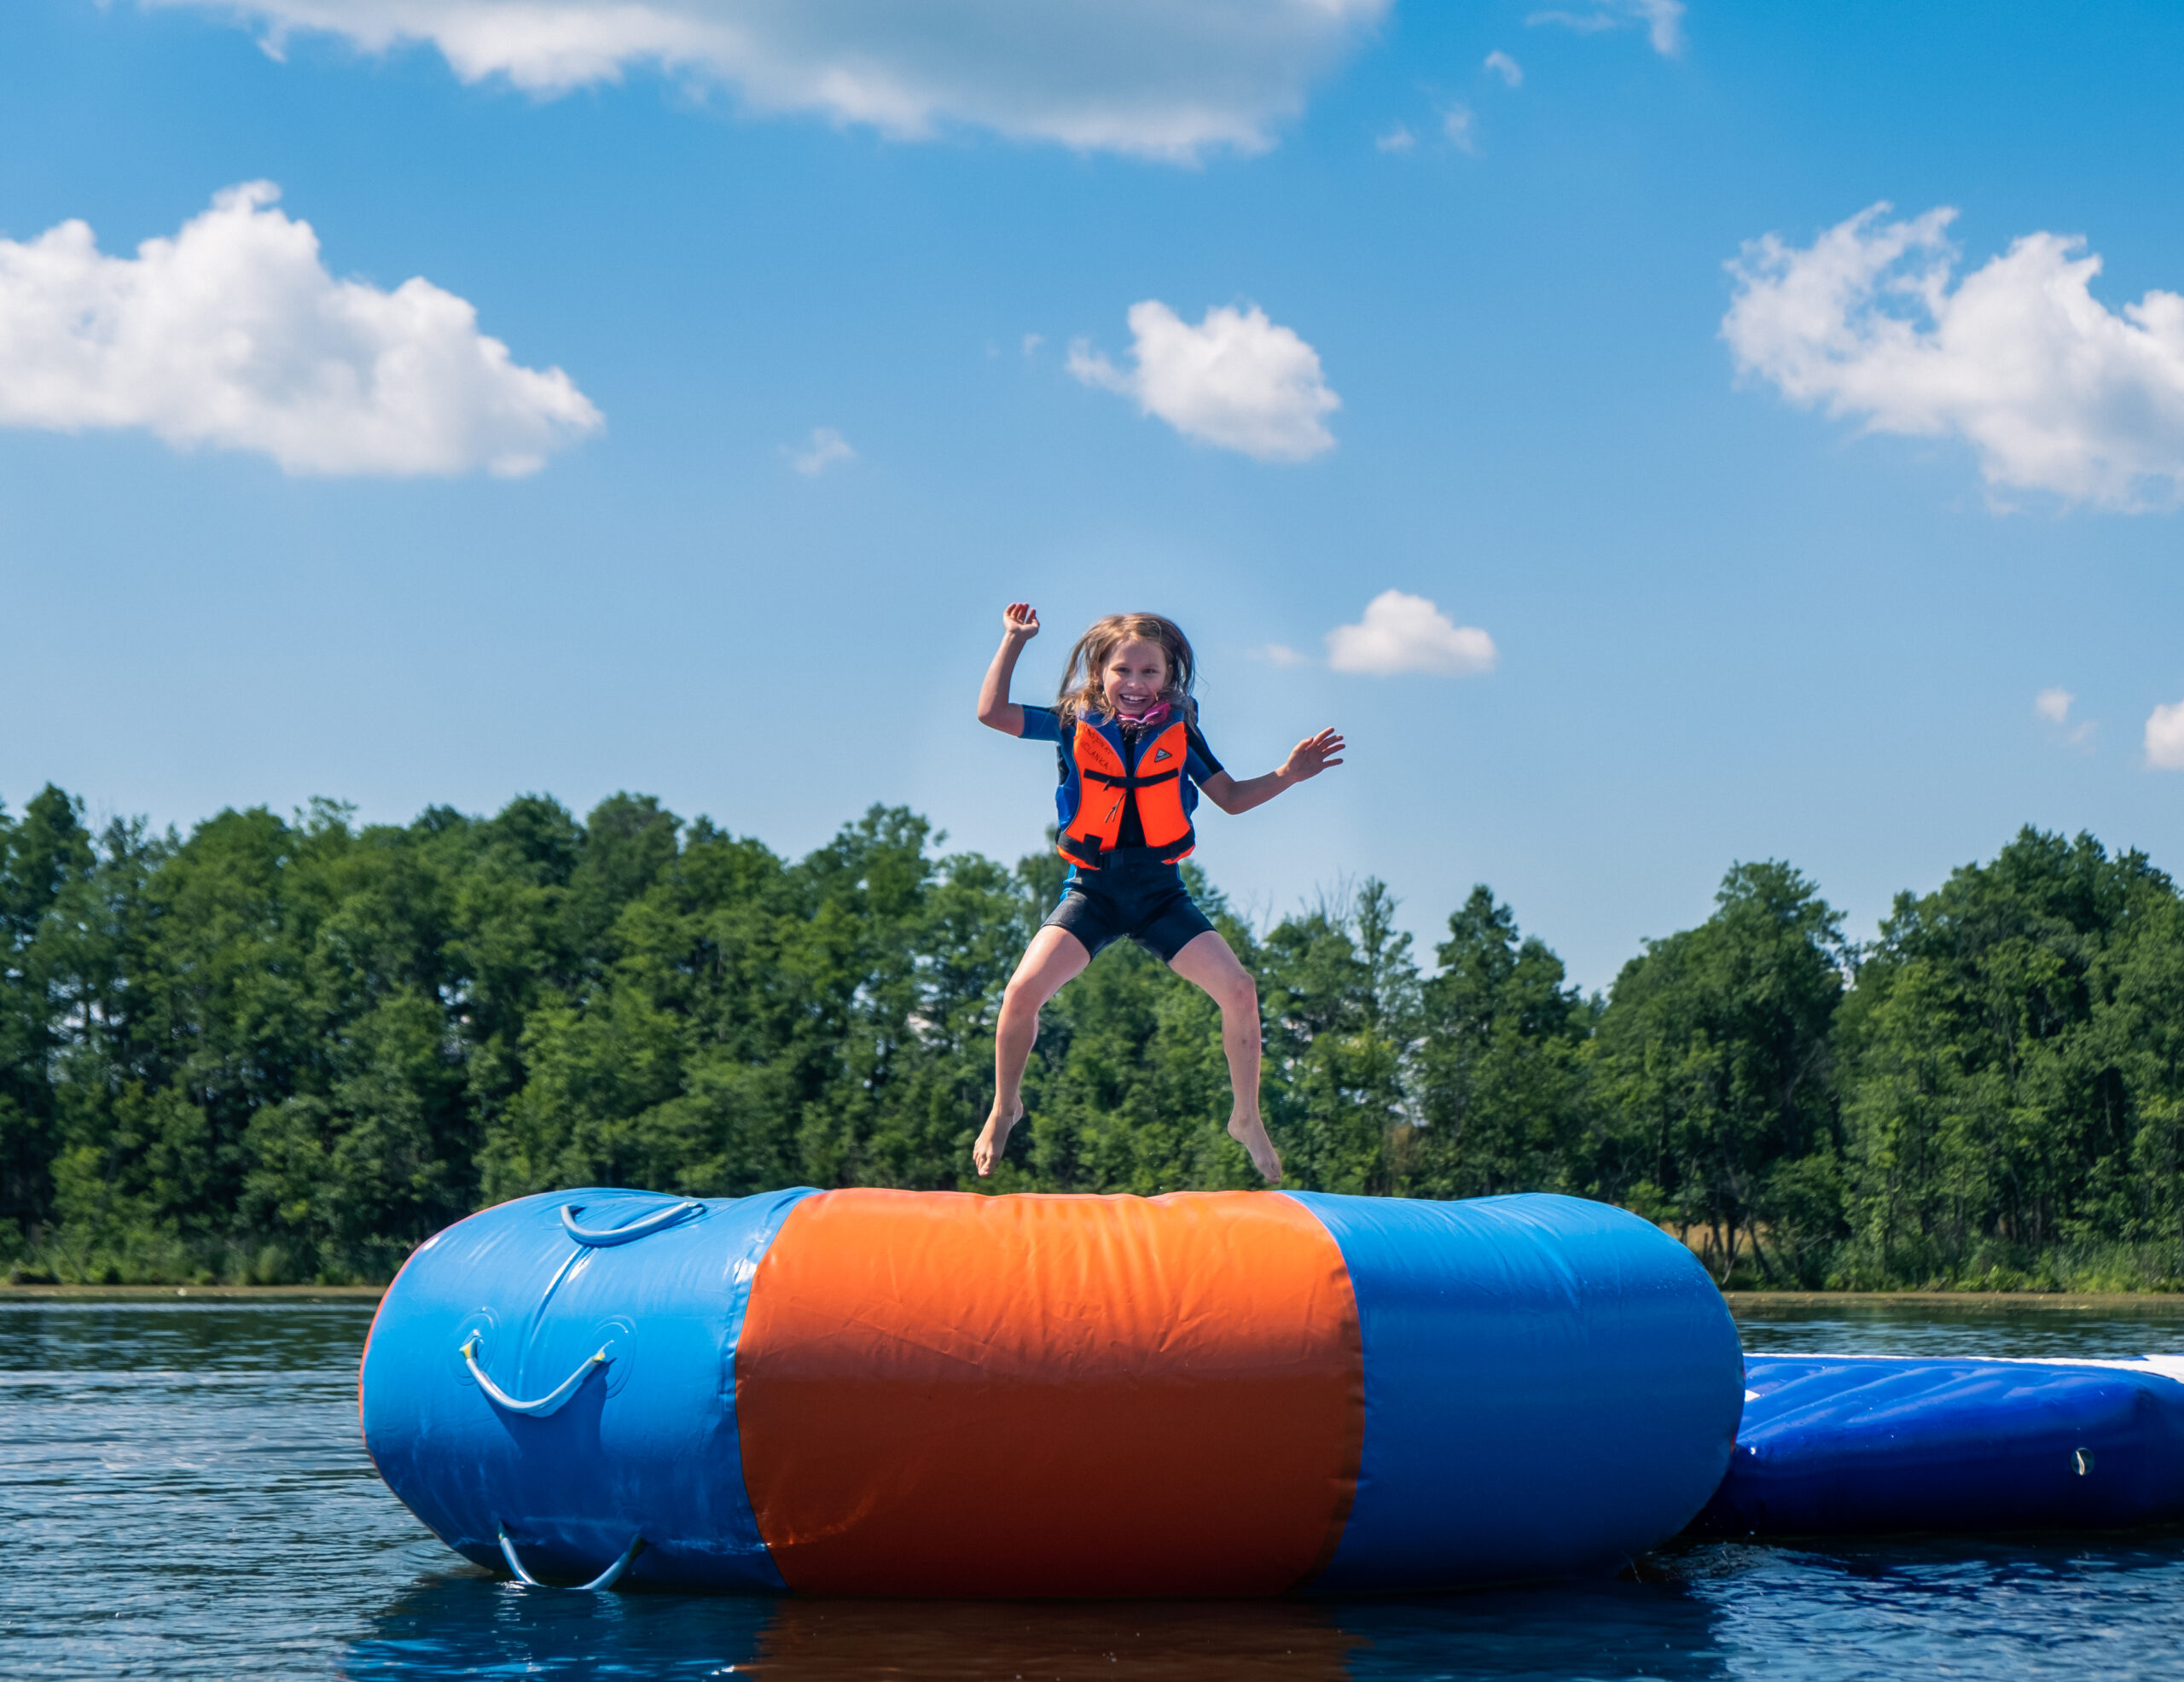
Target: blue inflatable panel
(1561, 1374)
(1848, 1444)
(652, 1430)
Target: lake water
(182, 1494)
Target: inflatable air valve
(888, 1393)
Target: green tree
(1340, 994)
(44, 855)
(2011, 1082)
(1501, 1077)
(1713, 1060)
(290, 1048)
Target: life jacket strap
(1090, 858)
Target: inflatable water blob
(1851, 1443)
(932, 1394)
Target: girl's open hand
(1313, 755)
(1020, 620)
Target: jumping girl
(1132, 765)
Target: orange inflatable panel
(930, 1383)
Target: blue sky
(1792, 588)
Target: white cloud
(1408, 633)
(2053, 390)
(2055, 705)
(2165, 737)
(1663, 21)
(1164, 77)
(1396, 139)
(1584, 23)
(1032, 341)
(233, 334)
(1280, 654)
(826, 448)
(1235, 380)
(1456, 122)
(1505, 68)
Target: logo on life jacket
(1103, 782)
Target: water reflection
(465, 1623)
(1654, 1629)
(2032, 1607)
(1156, 1641)
(2025, 1607)
(1970, 1326)
(142, 1342)
(470, 1625)
(473, 1626)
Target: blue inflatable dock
(1839, 1444)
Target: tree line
(289, 1049)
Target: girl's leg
(1055, 956)
(1208, 962)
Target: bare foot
(1250, 1131)
(993, 1139)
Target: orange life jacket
(1098, 778)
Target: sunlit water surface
(183, 1493)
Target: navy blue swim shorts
(1136, 898)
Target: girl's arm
(1019, 624)
(1308, 759)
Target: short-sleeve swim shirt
(1044, 724)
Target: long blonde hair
(1084, 679)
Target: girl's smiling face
(1136, 676)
